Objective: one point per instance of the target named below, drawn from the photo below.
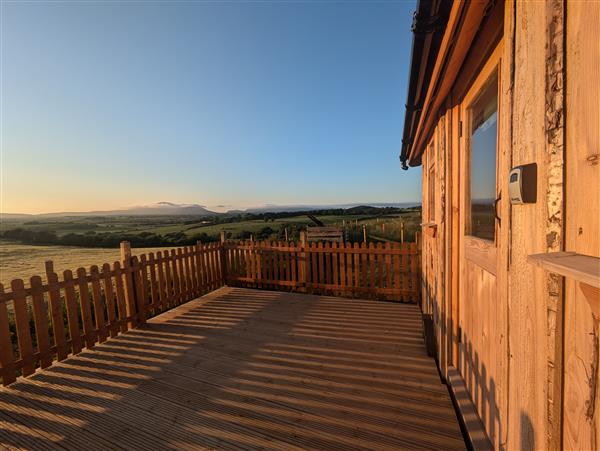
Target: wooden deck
(244, 369)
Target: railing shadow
(243, 369)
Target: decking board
(244, 369)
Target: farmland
(24, 260)
(72, 242)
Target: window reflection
(484, 127)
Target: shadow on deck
(244, 369)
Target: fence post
(130, 286)
(302, 261)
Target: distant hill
(173, 209)
(158, 209)
(291, 208)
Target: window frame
(481, 251)
(431, 184)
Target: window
(482, 161)
(431, 188)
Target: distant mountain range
(158, 209)
(173, 209)
(280, 208)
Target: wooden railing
(389, 271)
(50, 321)
(53, 319)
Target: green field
(87, 244)
(145, 231)
(25, 260)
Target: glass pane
(484, 125)
(431, 184)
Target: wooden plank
(388, 266)
(322, 397)
(56, 315)
(98, 305)
(364, 268)
(397, 268)
(406, 267)
(321, 263)
(483, 253)
(200, 267)
(169, 283)
(175, 278)
(276, 262)
(194, 272)
(146, 285)
(212, 266)
(86, 311)
(40, 318)
(258, 263)
(220, 265)
(235, 260)
(303, 262)
(155, 300)
(109, 295)
(314, 266)
(347, 256)
(415, 284)
(203, 258)
(357, 266)
(581, 268)
(380, 267)
(270, 257)
(122, 308)
(186, 286)
(334, 264)
(328, 263)
(581, 213)
(128, 284)
(372, 266)
(222, 274)
(72, 312)
(288, 263)
(249, 265)
(342, 274)
(160, 281)
(140, 290)
(475, 430)
(294, 267)
(7, 358)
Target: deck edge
(470, 423)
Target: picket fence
(50, 320)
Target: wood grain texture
(96, 306)
(381, 272)
(580, 268)
(244, 369)
(581, 419)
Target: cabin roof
(429, 23)
(451, 42)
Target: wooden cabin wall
(525, 340)
(434, 274)
(530, 362)
(581, 417)
(470, 331)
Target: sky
(112, 104)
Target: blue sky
(113, 104)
